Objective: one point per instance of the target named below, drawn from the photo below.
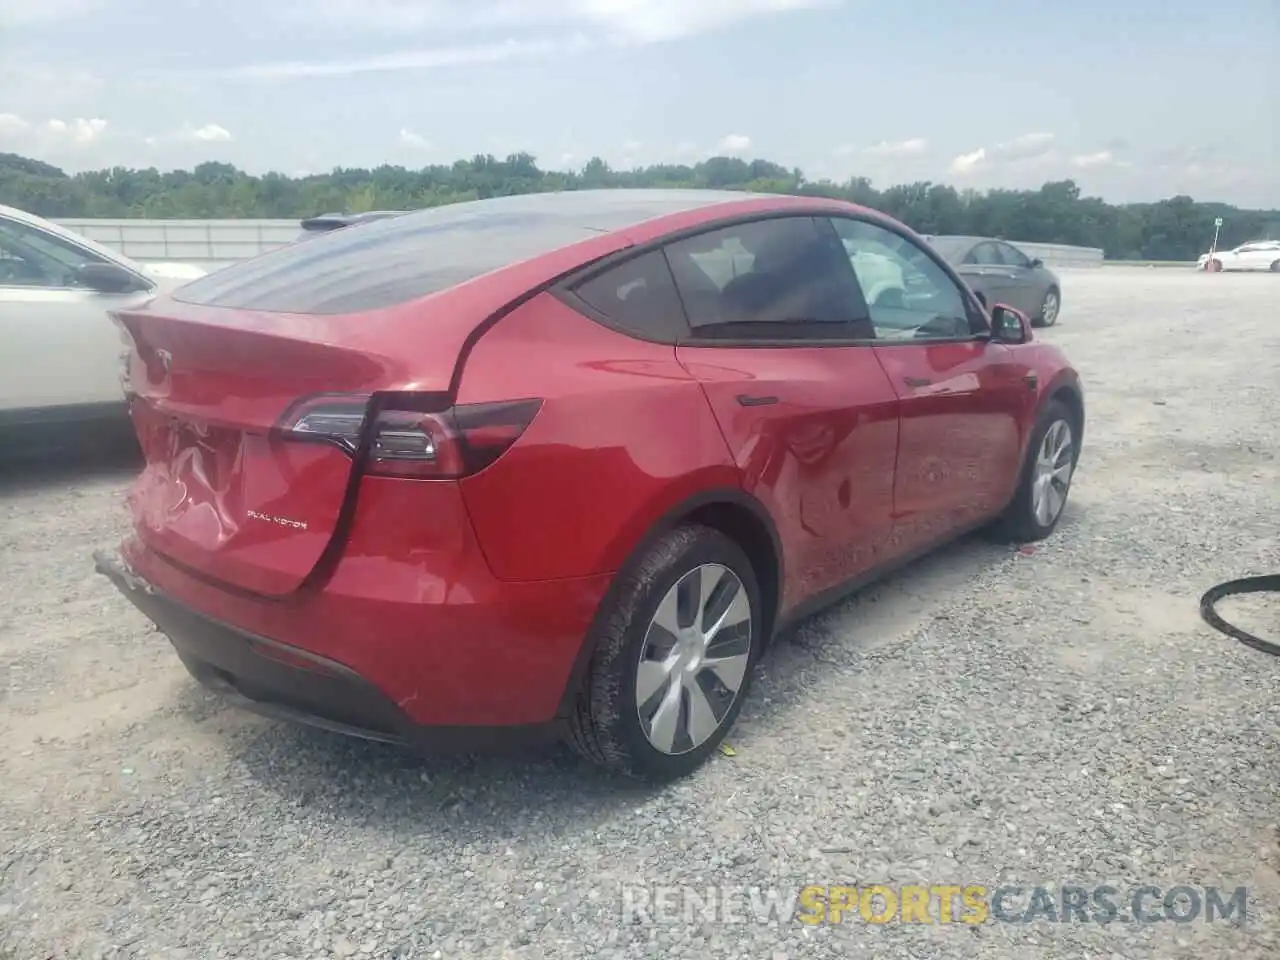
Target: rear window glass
(395, 260)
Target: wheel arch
(734, 513)
(1066, 390)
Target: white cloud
(78, 131)
(900, 148)
(566, 160)
(420, 59)
(1102, 158)
(1029, 146)
(212, 133)
(565, 27)
(412, 139)
(635, 21)
(653, 21)
(631, 146)
(18, 13)
(11, 125)
(686, 148)
(734, 143)
(967, 162)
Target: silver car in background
(999, 272)
(59, 350)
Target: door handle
(917, 381)
(747, 400)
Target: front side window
(908, 295)
(986, 254)
(30, 257)
(781, 278)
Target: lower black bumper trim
(286, 683)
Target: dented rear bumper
(285, 682)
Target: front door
(58, 347)
(810, 418)
(962, 397)
(1023, 283)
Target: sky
(1134, 99)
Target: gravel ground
(987, 716)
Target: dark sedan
(999, 272)
(328, 222)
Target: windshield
(71, 237)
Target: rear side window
(639, 297)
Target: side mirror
(1036, 262)
(106, 278)
(1009, 325)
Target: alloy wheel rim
(694, 659)
(1052, 478)
(1050, 309)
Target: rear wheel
(1046, 477)
(1275, 267)
(1049, 309)
(673, 658)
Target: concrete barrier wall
(215, 242)
(1062, 255)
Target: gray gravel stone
(986, 716)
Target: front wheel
(1049, 309)
(673, 658)
(1045, 480)
(1275, 267)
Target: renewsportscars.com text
(969, 904)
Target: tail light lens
(455, 443)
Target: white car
(1256, 255)
(59, 351)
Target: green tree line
(1178, 228)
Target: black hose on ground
(1268, 583)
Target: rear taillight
(437, 446)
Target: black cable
(1268, 583)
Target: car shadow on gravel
(105, 457)
(512, 794)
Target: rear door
(963, 398)
(808, 413)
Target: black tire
(1042, 319)
(1275, 267)
(1019, 523)
(605, 725)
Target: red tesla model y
(563, 464)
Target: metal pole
(1213, 247)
